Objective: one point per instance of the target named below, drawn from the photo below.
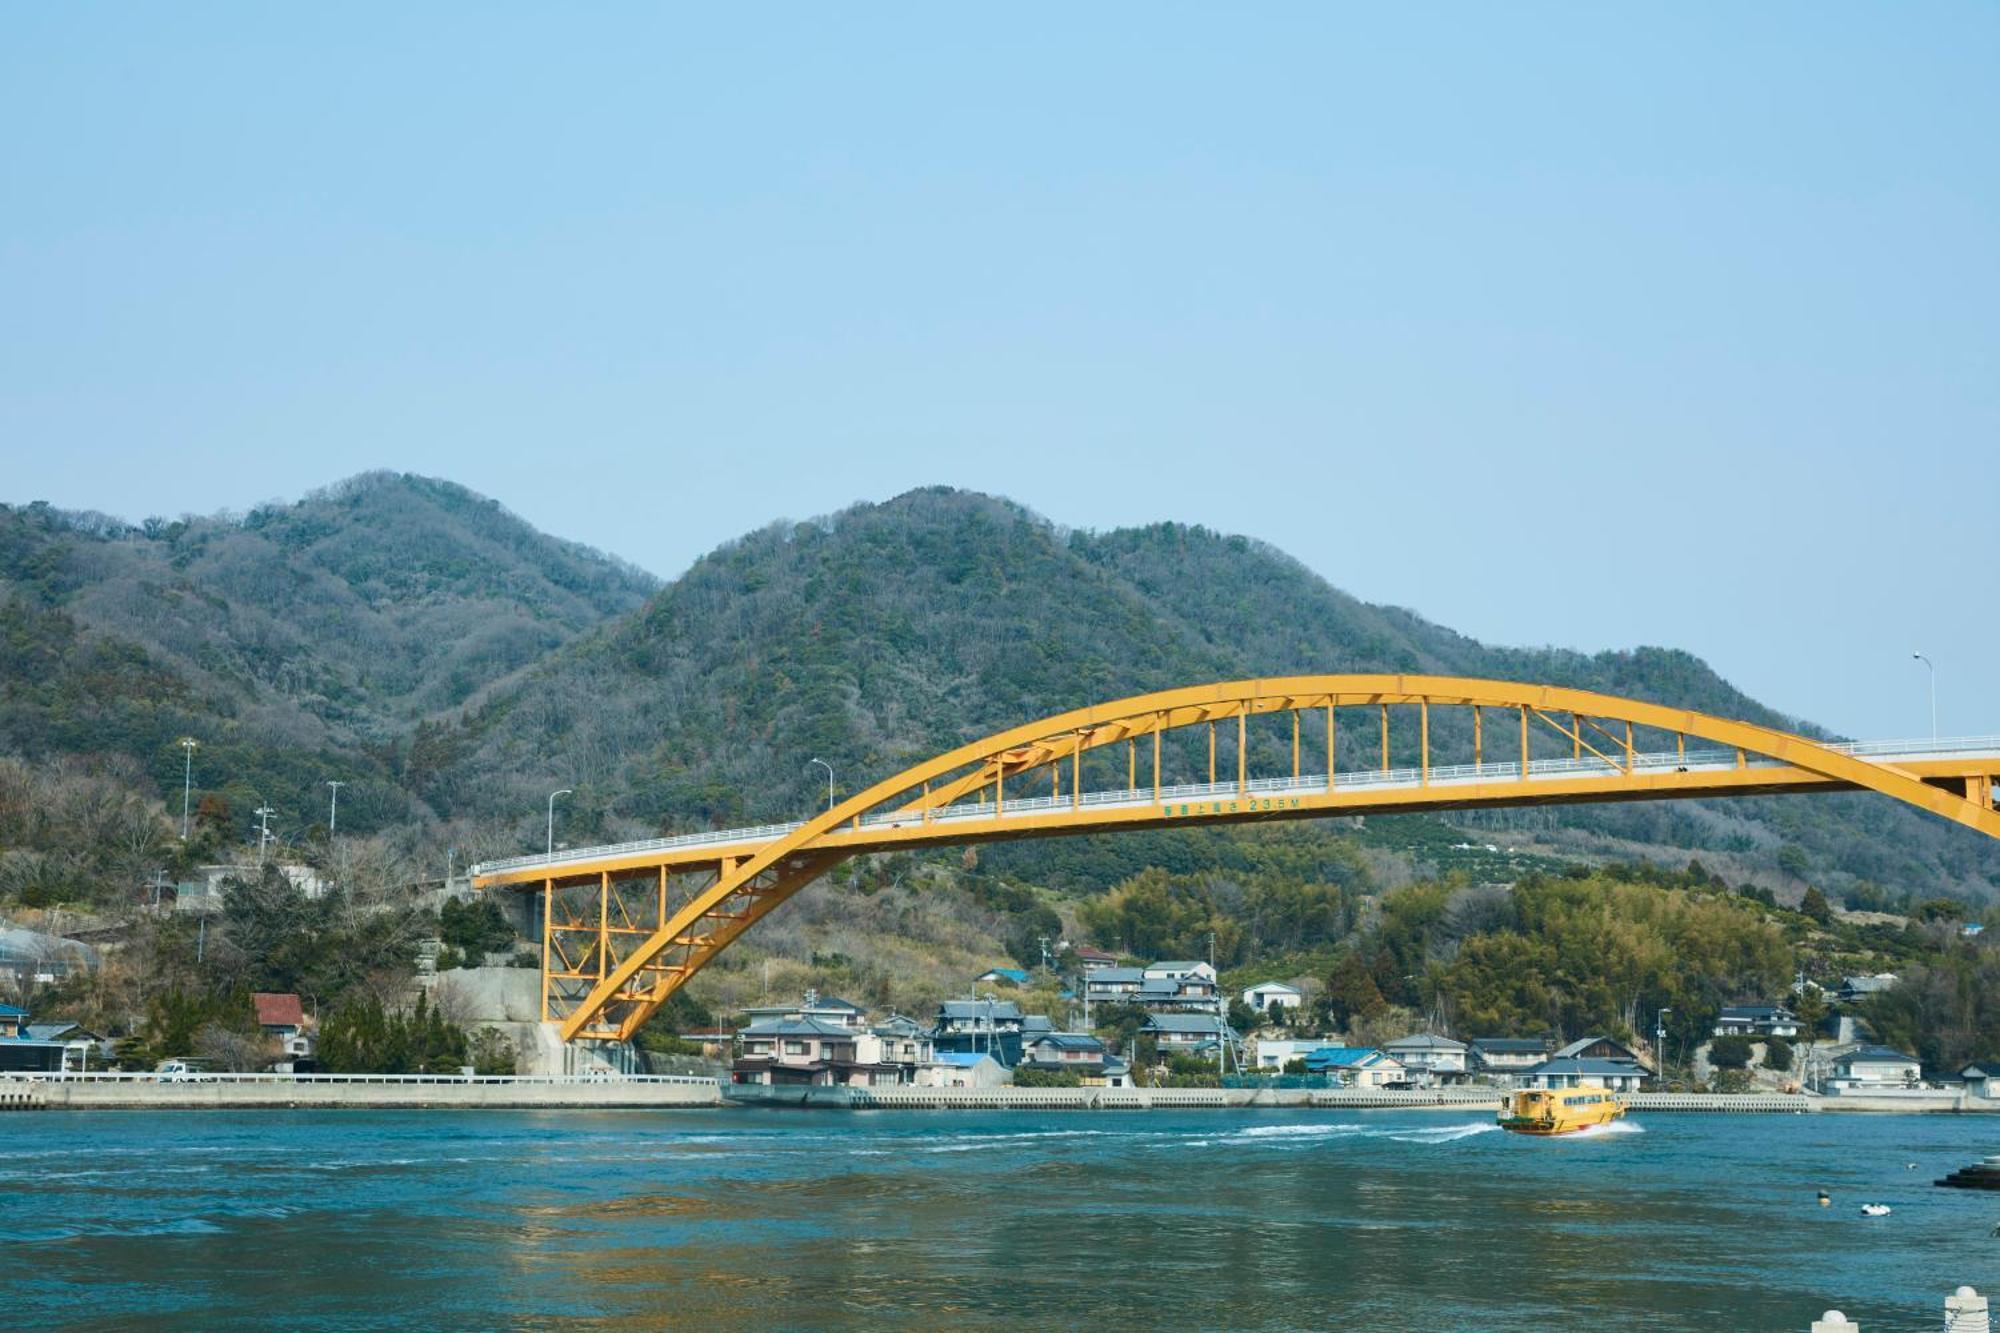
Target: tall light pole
(333, 809)
(552, 817)
(188, 744)
(829, 779)
(263, 813)
(1933, 666)
(1660, 1040)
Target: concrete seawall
(64, 1094)
(1443, 1099)
(277, 1093)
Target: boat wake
(1301, 1135)
(1606, 1130)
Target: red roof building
(278, 1011)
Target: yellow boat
(1549, 1111)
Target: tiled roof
(1510, 1045)
(797, 1027)
(1587, 1068)
(1186, 1023)
(1114, 976)
(278, 1011)
(1424, 1041)
(1341, 1057)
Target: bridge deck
(1651, 776)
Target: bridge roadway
(1654, 775)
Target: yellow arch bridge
(625, 926)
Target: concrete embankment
(1443, 1099)
(286, 1094)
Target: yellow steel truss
(619, 938)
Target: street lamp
(263, 813)
(333, 809)
(1660, 1039)
(829, 779)
(188, 744)
(552, 817)
(1933, 666)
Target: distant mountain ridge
(448, 661)
(325, 630)
(891, 631)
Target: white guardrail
(1693, 761)
(504, 1080)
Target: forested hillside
(296, 643)
(892, 631)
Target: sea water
(799, 1219)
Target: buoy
(1825, 1199)
(1874, 1210)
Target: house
(1428, 1057)
(1077, 1053)
(283, 1017)
(1275, 1055)
(80, 1045)
(1356, 1066)
(1189, 1034)
(1873, 1069)
(1979, 1080)
(989, 1027)
(1972, 929)
(1113, 985)
(1003, 976)
(1261, 997)
(904, 1043)
(1180, 970)
(13, 1020)
(1604, 1048)
(812, 1052)
(1505, 1058)
(1176, 995)
(1756, 1020)
(1088, 957)
(1860, 988)
(967, 1069)
(1569, 1071)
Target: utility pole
(188, 744)
(333, 810)
(829, 778)
(263, 813)
(1045, 953)
(1660, 1041)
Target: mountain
(297, 642)
(892, 631)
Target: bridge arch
(959, 796)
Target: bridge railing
(1707, 759)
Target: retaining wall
(280, 1094)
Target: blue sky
(1587, 325)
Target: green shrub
(1047, 1078)
(1778, 1054)
(1730, 1052)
